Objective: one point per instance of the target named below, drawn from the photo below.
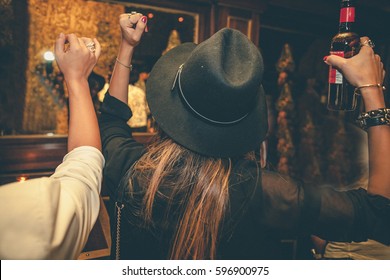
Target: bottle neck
(347, 19)
(346, 27)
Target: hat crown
(208, 97)
(220, 79)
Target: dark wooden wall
(32, 156)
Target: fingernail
(144, 19)
(325, 58)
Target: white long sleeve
(51, 218)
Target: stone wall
(44, 110)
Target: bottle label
(335, 76)
(347, 14)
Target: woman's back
(238, 232)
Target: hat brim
(187, 129)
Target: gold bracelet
(357, 90)
(127, 66)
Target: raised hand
(75, 56)
(132, 26)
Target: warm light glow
(22, 179)
(180, 19)
(150, 15)
(48, 56)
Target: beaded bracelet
(127, 66)
(357, 90)
(373, 118)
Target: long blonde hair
(198, 183)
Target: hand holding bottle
(345, 44)
(363, 69)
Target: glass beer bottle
(346, 44)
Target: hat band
(177, 79)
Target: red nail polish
(325, 58)
(144, 19)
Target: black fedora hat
(209, 97)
